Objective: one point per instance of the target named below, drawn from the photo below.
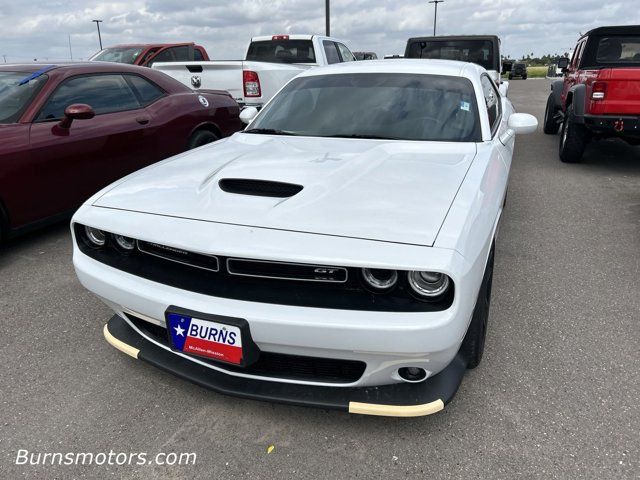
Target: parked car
(365, 55)
(66, 131)
(270, 62)
(392, 56)
(598, 96)
(519, 69)
(337, 253)
(483, 50)
(146, 54)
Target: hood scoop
(259, 188)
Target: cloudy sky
(41, 28)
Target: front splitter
(395, 400)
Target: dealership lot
(555, 396)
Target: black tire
(573, 139)
(524, 78)
(200, 138)
(550, 126)
(510, 77)
(473, 344)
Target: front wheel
(524, 78)
(473, 344)
(200, 138)
(573, 139)
(550, 126)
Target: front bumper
(396, 400)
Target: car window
(375, 105)
(197, 55)
(492, 102)
(104, 93)
(16, 93)
(345, 53)
(475, 51)
(577, 54)
(118, 55)
(282, 51)
(618, 49)
(331, 52)
(173, 54)
(146, 91)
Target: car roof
(453, 37)
(71, 66)
(418, 66)
(147, 45)
(614, 30)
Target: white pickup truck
(269, 64)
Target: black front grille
(277, 365)
(333, 287)
(260, 188)
(286, 271)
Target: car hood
(392, 191)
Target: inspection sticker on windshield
(465, 106)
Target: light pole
(98, 22)
(327, 17)
(435, 14)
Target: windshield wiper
(356, 135)
(269, 131)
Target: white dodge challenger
(337, 253)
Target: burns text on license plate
(206, 338)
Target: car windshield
(619, 49)
(118, 55)
(282, 51)
(474, 51)
(16, 94)
(395, 106)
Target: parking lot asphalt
(556, 396)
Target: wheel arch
(208, 126)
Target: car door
(72, 164)
(497, 171)
(573, 71)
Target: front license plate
(206, 338)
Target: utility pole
(435, 14)
(70, 52)
(327, 17)
(5, 58)
(98, 22)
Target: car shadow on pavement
(612, 155)
(40, 238)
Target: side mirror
(522, 123)
(248, 114)
(77, 111)
(563, 63)
(519, 123)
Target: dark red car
(145, 54)
(66, 131)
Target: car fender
(556, 90)
(576, 97)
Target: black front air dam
(399, 399)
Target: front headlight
(125, 243)
(97, 238)
(380, 279)
(428, 284)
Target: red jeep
(599, 96)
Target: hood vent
(259, 188)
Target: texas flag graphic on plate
(205, 338)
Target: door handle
(142, 120)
